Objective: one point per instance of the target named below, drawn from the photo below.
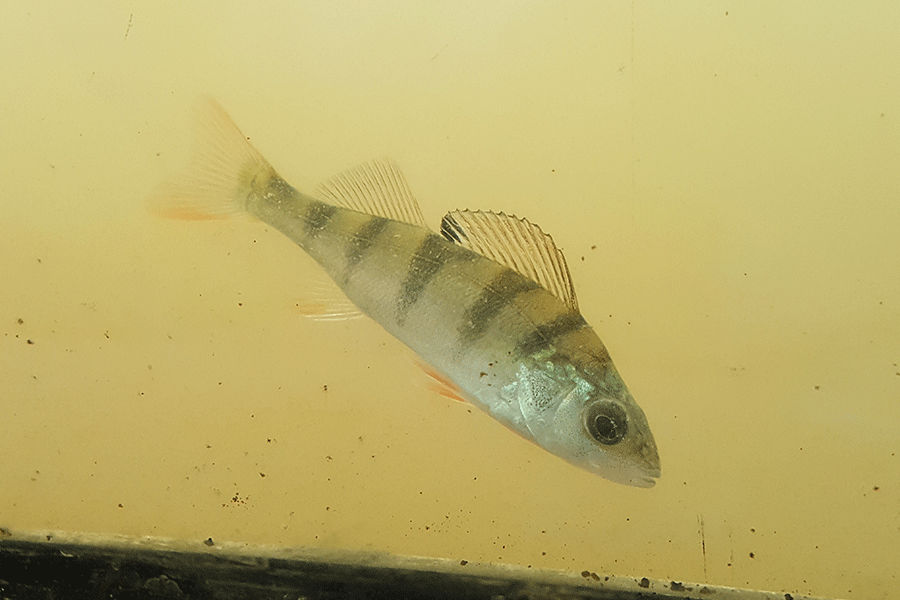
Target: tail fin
(221, 174)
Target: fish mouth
(647, 481)
(632, 475)
(645, 476)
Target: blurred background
(723, 179)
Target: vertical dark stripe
(317, 216)
(544, 335)
(278, 188)
(432, 254)
(502, 290)
(363, 239)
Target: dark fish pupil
(606, 428)
(606, 422)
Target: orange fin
(323, 300)
(323, 311)
(440, 384)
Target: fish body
(487, 301)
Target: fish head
(590, 420)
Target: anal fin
(323, 300)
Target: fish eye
(606, 422)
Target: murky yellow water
(723, 179)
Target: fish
(486, 302)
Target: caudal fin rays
(223, 168)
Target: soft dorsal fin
(377, 188)
(516, 243)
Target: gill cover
(590, 424)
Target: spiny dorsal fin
(516, 243)
(377, 188)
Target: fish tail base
(222, 173)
